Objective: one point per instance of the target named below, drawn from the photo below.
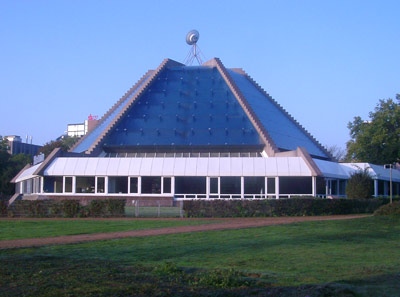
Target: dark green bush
(388, 210)
(97, 208)
(279, 207)
(115, 207)
(360, 185)
(65, 208)
(70, 208)
(26, 208)
(3, 207)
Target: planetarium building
(194, 132)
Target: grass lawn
(16, 229)
(359, 257)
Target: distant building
(16, 146)
(81, 129)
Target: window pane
(190, 185)
(68, 184)
(254, 185)
(101, 182)
(296, 185)
(271, 185)
(134, 185)
(167, 185)
(84, 184)
(230, 185)
(214, 185)
(151, 184)
(53, 184)
(118, 184)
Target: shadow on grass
(58, 276)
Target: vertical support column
(277, 187)
(95, 185)
(376, 188)
(207, 187)
(73, 184)
(242, 187)
(41, 185)
(266, 187)
(106, 185)
(314, 186)
(129, 185)
(139, 185)
(162, 185)
(172, 185)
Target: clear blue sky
(323, 61)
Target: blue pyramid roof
(199, 106)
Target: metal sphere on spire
(192, 37)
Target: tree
(377, 140)
(360, 185)
(10, 165)
(64, 143)
(3, 144)
(10, 169)
(337, 152)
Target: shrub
(70, 208)
(3, 207)
(388, 209)
(221, 278)
(56, 209)
(97, 208)
(115, 207)
(279, 207)
(26, 208)
(360, 185)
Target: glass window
(68, 184)
(190, 185)
(271, 185)
(53, 184)
(84, 184)
(254, 185)
(151, 184)
(118, 184)
(101, 184)
(214, 185)
(167, 185)
(133, 185)
(230, 185)
(296, 185)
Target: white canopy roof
(27, 173)
(279, 166)
(344, 170)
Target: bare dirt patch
(223, 224)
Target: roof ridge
(139, 93)
(112, 108)
(320, 146)
(269, 143)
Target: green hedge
(3, 208)
(67, 208)
(279, 207)
(388, 209)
